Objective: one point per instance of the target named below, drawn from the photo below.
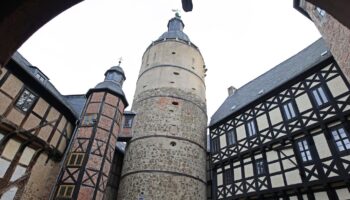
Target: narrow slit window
(228, 176)
(231, 137)
(289, 110)
(320, 96)
(260, 167)
(215, 145)
(251, 128)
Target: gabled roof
(26, 71)
(267, 82)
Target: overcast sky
(239, 41)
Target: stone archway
(19, 19)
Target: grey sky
(239, 40)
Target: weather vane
(120, 60)
(177, 12)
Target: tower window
(175, 103)
(176, 73)
(173, 52)
(341, 139)
(251, 128)
(75, 159)
(231, 137)
(289, 110)
(65, 191)
(26, 100)
(319, 96)
(304, 150)
(89, 120)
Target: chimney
(231, 90)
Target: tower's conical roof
(175, 29)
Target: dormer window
(40, 77)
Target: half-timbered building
(285, 135)
(37, 125)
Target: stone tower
(166, 158)
(88, 161)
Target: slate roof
(76, 102)
(267, 82)
(31, 70)
(175, 30)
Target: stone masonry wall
(161, 186)
(336, 35)
(166, 157)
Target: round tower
(166, 159)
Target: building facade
(285, 137)
(37, 127)
(166, 158)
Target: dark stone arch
(19, 19)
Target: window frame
(302, 140)
(65, 195)
(228, 176)
(74, 163)
(230, 133)
(326, 95)
(128, 120)
(256, 168)
(290, 104)
(251, 124)
(89, 120)
(31, 104)
(215, 141)
(334, 141)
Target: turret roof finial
(177, 13)
(120, 61)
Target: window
(65, 191)
(40, 77)
(89, 120)
(228, 176)
(26, 100)
(75, 159)
(288, 110)
(231, 138)
(304, 150)
(260, 168)
(128, 121)
(251, 128)
(215, 145)
(319, 96)
(320, 12)
(341, 139)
